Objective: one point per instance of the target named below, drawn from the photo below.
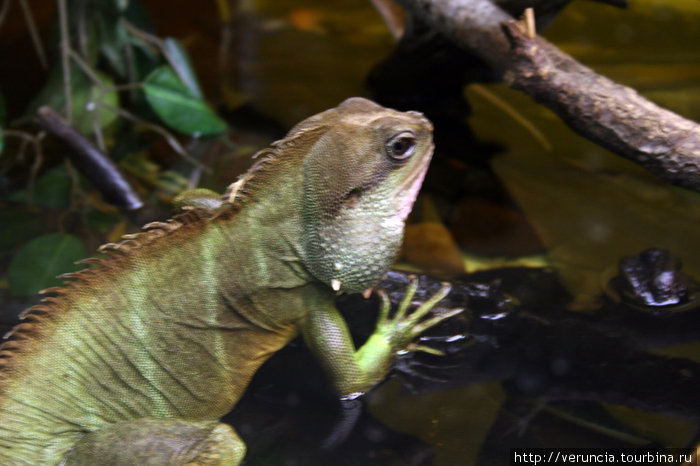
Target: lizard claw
(415, 347)
(403, 327)
(433, 321)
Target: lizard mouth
(352, 199)
(409, 187)
(415, 176)
(414, 179)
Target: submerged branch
(609, 114)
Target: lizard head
(361, 177)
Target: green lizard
(136, 358)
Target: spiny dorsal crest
(34, 317)
(238, 193)
(270, 159)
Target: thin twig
(130, 67)
(65, 59)
(35, 141)
(82, 29)
(18, 134)
(143, 35)
(169, 138)
(529, 19)
(27, 138)
(34, 34)
(99, 138)
(84, 66)
(164, 50)
(75, 191)
(97, 102)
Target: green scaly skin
(136, 359)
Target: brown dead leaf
(430, 246)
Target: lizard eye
(401, 146)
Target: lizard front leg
(353, 372)
(153, 441)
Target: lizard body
(134, 360)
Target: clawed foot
(403, 328)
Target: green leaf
(87, 99)
(37, 263)
(52, 189)
(18, 225)
(91, 102)
(178, 58)
(113, 41)
(178, 107)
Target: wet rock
(654, 278)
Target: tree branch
(91, 161)
(614, 116)
(611, 115)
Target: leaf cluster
(122, 88)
